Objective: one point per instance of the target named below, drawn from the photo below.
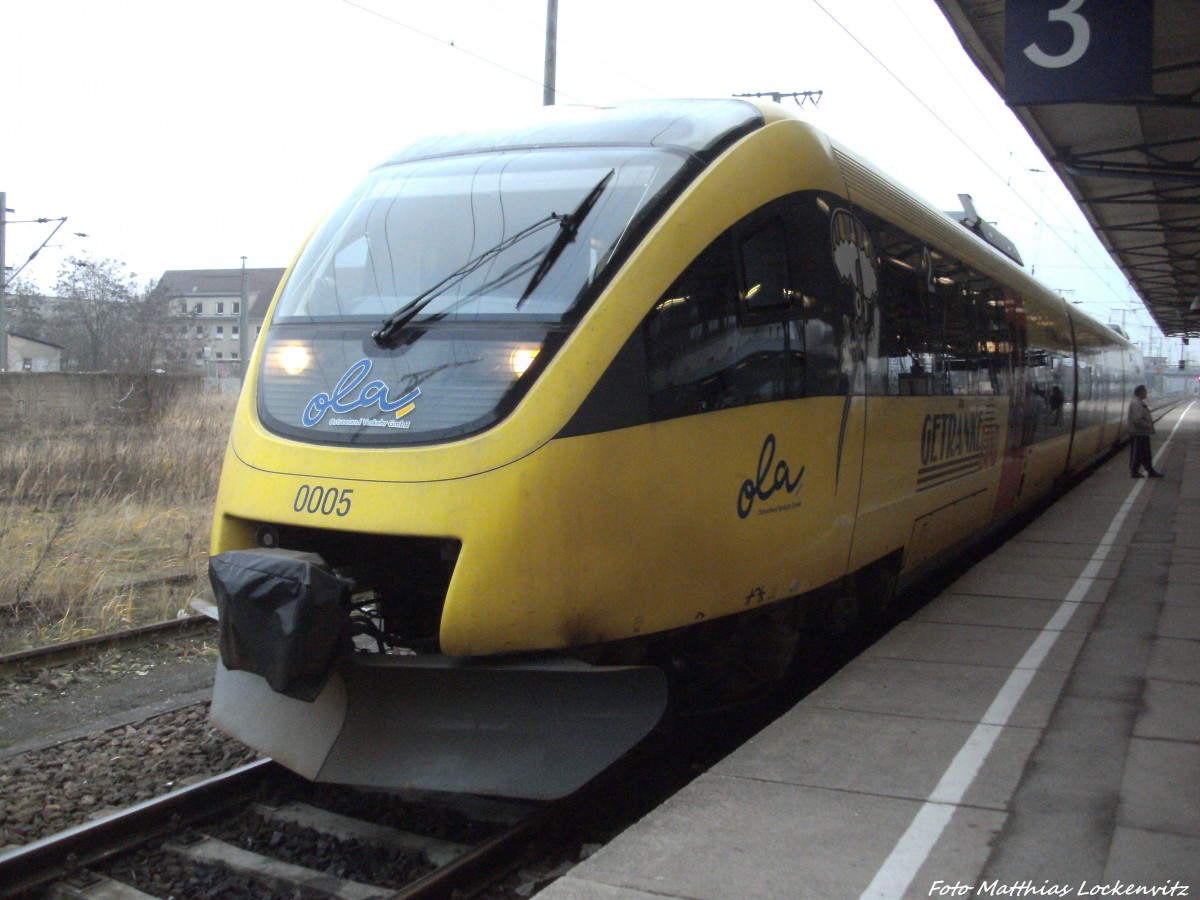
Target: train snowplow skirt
(532, 730)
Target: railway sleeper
(345, 828)
(282, 875)
(90, 886)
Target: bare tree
(26, 309)
(152, 334)
(92, 292)
(108, 322)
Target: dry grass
(107, 526)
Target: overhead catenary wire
(574, 47)
(452, 45)
(32, 256)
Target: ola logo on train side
(769, 478)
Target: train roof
(705, 128)
(693, 126)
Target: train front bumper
(537, 730)
(290, 686)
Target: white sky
(187, 134)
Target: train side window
(950, 326)
(818, 305)
(905, 362)
(993, 339)
(723, 334)
(943, 327)
(1049, 385)
(772, 368)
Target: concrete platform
(1035, 731)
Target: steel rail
(69, 651)
(552, 825)
(488, 862)
(58, 855)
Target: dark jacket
(1140, 421)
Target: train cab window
(774, 367)
(726, 333)
(765, 269)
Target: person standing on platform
(1141, 426)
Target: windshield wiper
(568, 229)
(385, 334)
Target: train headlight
(522, 358)
(294, 358)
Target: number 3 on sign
(1081, 36)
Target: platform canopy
(1110, 92)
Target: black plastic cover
(284, 615)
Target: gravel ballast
(97, 735)
(48, 790)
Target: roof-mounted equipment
(971, 220)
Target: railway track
(258, 831)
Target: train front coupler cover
(290, 685)
(284, 615)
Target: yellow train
(550, 426)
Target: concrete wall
(52, 397)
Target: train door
(1045, 403)
(1075, 381)
(806, 278)
(856, 261)
(1012, 473)
(939, 378)
(747, 463)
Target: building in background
(208, 303)
(28, 354)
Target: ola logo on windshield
(347, 397)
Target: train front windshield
(468, 255)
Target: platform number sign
(1064, 51)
